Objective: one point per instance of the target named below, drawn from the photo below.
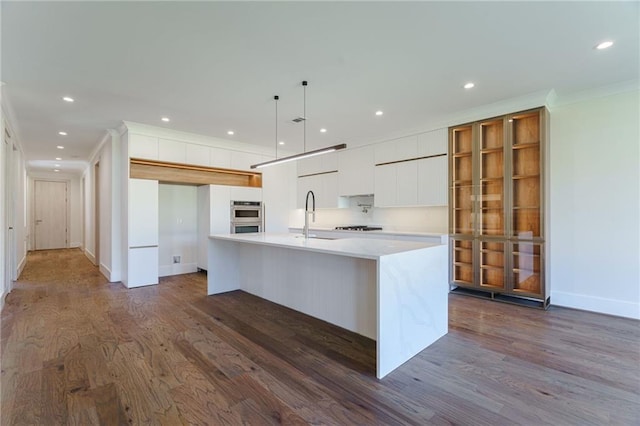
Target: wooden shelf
(491, 150)
(492, 267)
(491, 179)
(525, 176)
(526, 145)
(461, 154)
(524, 207)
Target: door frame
(32, 225)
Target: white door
(50, 214)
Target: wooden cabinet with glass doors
(496, 207)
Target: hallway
(79, 350)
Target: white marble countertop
(365, 248)
(383, 232)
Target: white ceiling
(212, 67)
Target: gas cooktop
(358, 228)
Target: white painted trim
(75, 244)
(94, 153)
(594, 93)
(105, 271)
(2, 301)
(90, 256)
(177, 269)
(600, 305)
(21, 266)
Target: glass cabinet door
(463, 264)
(526, 202)
(492, 265)
(491, 196)
(527, 274)
(461, 181)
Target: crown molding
(595, 93)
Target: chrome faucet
(307, 212)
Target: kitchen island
(394, 292)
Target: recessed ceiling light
(323, 130)
(604, 45)
(281, 143)
(2, 83)
(59, 158)
(62, 133)
(230, 132)
(165, 119)
(60, 147)
(68, 99)
(56, 170)
(56, 165)
(379, 112)
(468, 85)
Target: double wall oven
(247, 216)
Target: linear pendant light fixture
(305, 154)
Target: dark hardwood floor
(78, 350)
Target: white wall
(594, 244)
(177, 228)
(13, 204)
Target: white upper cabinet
(356, 171)
(325, 190)
(172, 151)
(198, 154)
(219, 157)
(407, 183)
(239, 193)
(141, 146)
(244, 160)
(432, 143)
(432, 181)
(396, 150)
(386, 180)
(318, 164)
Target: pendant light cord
(304, 114)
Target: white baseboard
(1, 301)
(177, 269)
(105, 271)
(21, 265)
(619, 308)
(90, 256)
(75, 245)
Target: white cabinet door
(143, 213)
(219, 157)
(328, 197)
(432, 143)
(356, 171)
(306, 184)
(172, 151)
(240, 193)
(244, 160)
(385, 152)
(432, 181)
(220, 208)
(407, 183)
(143, 266)
(318, 164)
(385, 186)
(406, 148)
(198, 154)
(141, 146)
(396, 150)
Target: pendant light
(305, 153)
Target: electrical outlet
(176, 259)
